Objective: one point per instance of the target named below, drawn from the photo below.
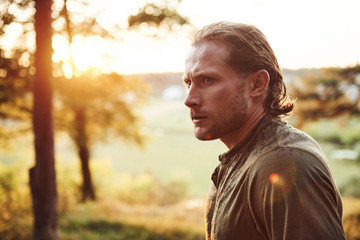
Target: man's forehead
(207, 49)
(207, 54)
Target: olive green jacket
(276, 184)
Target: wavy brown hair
(249, 51)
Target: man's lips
(197, 118)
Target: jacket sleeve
(292, 196)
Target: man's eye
(187, 83)
(207, 79)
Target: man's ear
(259, 83)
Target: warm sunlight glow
(303, 34)
(81, 53)
(138, 54)
(86, 52)
(61, 48)
(67, 69)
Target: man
(274, 182)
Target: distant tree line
(329, 93)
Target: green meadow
(172, 153)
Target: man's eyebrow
(202, 74)
(197, 75)
(184, 77)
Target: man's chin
(204, 136)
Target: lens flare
(274, 178)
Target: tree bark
(42, 175)
(88, 192)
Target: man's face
(216, 96)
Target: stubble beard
(230, 120)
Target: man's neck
(239, 135)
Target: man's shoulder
(288, 139)
(285, 157)
(295, 167)
(289, 136)
(286, 147)
(278, 143)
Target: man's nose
(192, 98)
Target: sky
(303, 34)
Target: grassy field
(153, 193)
(171, 152)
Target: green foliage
(106, 102)
(89, 106)
(340, 134)
(16, 70)
(159, 18)
(351, 187)
(74, 17)
(103, 220)
(15, 104)
(332, 93)
(343, 131)
(15, 204)
(68, 188)
(159, 15)
(146, 189)
(15, 79)
(109, 218)
(104, 229)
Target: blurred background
(126, 162)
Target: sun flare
(81, 55)
(85, 53)
(137, 54)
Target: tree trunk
(88, 192)
(42, 175)
(81, 140)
